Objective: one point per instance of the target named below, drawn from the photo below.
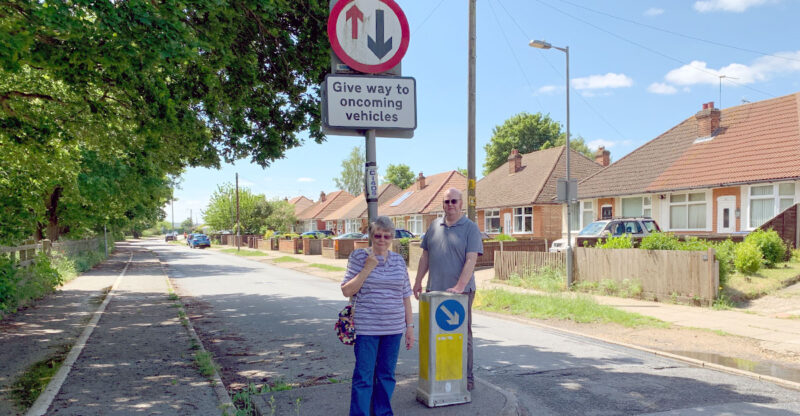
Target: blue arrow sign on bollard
(450, 315)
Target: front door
(726, 219)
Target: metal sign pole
(371, 170)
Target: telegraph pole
(238, 232)
(471, 117)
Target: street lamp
(540, 44)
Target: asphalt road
(268, 324)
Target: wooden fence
(490, 247)
(26, 254)
(507, 263)
(663, 274)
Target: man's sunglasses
(451, 201)
(382, 236)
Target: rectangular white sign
(370, 102)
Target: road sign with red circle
(370, 36)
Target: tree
(577, 144)
(400, 175)
(221, 211)
(351, 179)
(282, 216)
(524, 132)
(187, 225)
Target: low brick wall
(290, 246)
(345, 247)
(414, 253)
(312, 246)
(264, 244)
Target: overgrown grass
(581, 309)
(205, 363)
(18, 285)
(244, 402)
(741, 287)
(246, 253)
(287, 259)
(327, 267)
(27, 388)
(546, 279)
(607, 287)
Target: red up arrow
(355, 14)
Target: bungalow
(300, 203)
(522, 192)
(313, 217)
(352, 216)
(720, 171)
(417, 206)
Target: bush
(725, 253)
(659, 241)
(268, 234)
(623, 241)
(18, 285)
(503, 237)
(748, 258)
(772, 247)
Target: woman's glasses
(451, 201)
(382, 236)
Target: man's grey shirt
(447, 248)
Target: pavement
(138, 357)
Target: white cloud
(547, 89)
(736, 6)
(609, 80)
(595, 144)
(653, 11)
(762, 69)
(661, 88)
(305, 179)
(245, 182)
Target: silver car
(615, 227)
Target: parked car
(615, 227)
(317, 234)
(351, 236)
(198, 241)
(171, 236)
(401, 233)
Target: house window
(765, 204)
(606, 212)
(311, 225)
(647, 207)
(330, 225)
(415, 224)
(523, 220)
(587, 213)
(491, 220)
(687, 211)
(352, 226)
(632, 207)
(574, 216)
(399, 222)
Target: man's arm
(466, 273)
(422, 269)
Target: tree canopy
(102, 104)
(400, 175)
(351, 179)
(526, 133)
(256, 213)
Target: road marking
(45, 399)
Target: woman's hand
(409, 338)
(371, 261)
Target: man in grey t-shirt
(449, 251)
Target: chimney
(322, 196)
(514, 161)
(602, 156)
(420, 181)
(286, 198)
(707, 120)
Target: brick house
(417, 206)
(719, 171)
(313, 217)
(300, 203)
(352, 216)
(518, 198)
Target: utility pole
(471, 214)
(238, 232)
(172, 203)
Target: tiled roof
(413, 200)
(332, 202)
(300, 203)
(756, 142)
(357, 207)
(535, 182)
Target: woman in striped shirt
(378, 279)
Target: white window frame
(491, 214)
(330, 225)
(415, 225)
(647, 205)
(575, 215)
(775, 196)
(522, 215)
(585, 210)
(352, 225)
(687, 203)
(399, 222)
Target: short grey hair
(381, 223)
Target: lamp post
(545, 45)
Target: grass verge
(245, 253)
(581, 309)
(327, 267)
(741, 287)
(27, 388)
(287, 259)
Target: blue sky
(637, 68)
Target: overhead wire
(419, 26)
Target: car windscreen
(651, 226)
(593, 229)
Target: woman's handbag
(345, 329)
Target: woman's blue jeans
(373, 377)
